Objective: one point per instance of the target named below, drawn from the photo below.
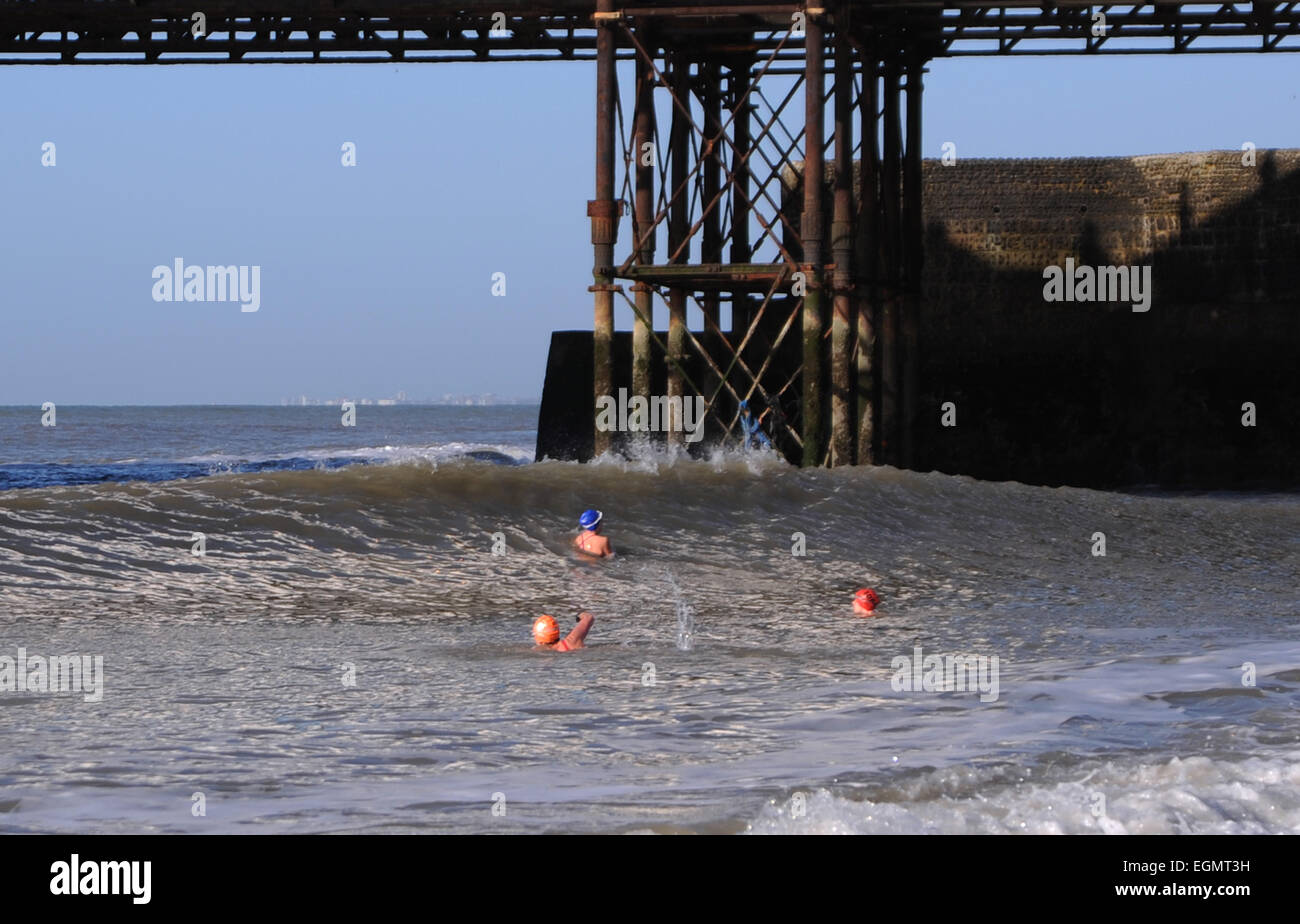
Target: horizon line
(528, 403)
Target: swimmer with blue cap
(752, 430)
(589, 541)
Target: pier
(761, 170)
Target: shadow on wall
(1093, 393)
(1085, 393)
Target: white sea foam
(1154, 689)
(1193, 795)
(438, 452)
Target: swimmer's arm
(574, 638)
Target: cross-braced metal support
(822, 259)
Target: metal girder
(688, 196)
(288, 31)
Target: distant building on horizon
(489, 399)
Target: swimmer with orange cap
(546, 633)
(865, 602)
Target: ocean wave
(19, 476)
(1180, 795)
(376, 455)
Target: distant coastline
(447, 400)
(452, 401)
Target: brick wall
(1093, 393)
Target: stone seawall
(1085, 393)
(1096, 393)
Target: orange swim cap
(545, 630)
(866, 598)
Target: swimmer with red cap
(865, 602)
(546, 633)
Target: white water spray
(685, 617)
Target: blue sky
(378, 278)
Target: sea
(310, 627)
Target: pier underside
(757, 217)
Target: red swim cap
(866, 598)
(545, 630)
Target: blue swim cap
(589, 519)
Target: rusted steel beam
(738, 90)
(680, 370)
(811, 226)
(756, 385)
(712, 147)
(681, 110)
(604, 226)
(708, 275)
(889, 266)
(644, 152)
(738, 350)
(54, 32)
(721, 376)
(841, 436)
(785, 161)
(678, 242)
(913, 241)
(867, 257)
(108, 9)
(712, 11)
(727, 276)
(756, 378)
(711, 150)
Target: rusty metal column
(711, 177)
(711, 242)
(643, 220)
(913, 241)
(841, 441)
(812, 231)
(604, 218)
(738, 83)
(867, 257)
(678, 152)
(889, 266)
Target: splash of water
(685, 617)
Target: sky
(378, 278)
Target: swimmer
(546, 633)
(865, 602)
(590, 541)
(752, 430)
